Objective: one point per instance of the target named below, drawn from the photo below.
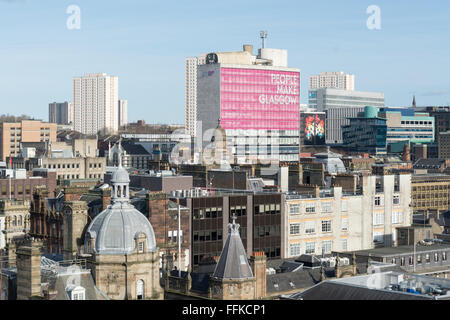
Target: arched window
(20, 221)
(119, 191)
(15, 221)
(140, 290)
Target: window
(436, 257)
(378, 237)
(294, 249)
(326, 206)
(326, 226)
(140, 290)
(427, 258)
(344, 205)
(344, 245)
(344, 224)
(378, 201)
(294, 208)
(295, 228)
(326, 246)
(378, 219)
(396, 200)
(310, 247)
(397, 217)
(419, 259)
(310, 207)
(310, 227)
(76, 293)
(444, 256)
(402, 261)
(141, 247)
(411, 260)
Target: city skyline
(136, 42)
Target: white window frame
(296, 207)
(310, 227)
(378, 219)
(326, 207)
(310, 208)
(344, 247)
(344, 224)
(327, 246)
(344, 206)
(294, 229)
(294, 249)
(309, 246)
(327, 225)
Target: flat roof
(394, 251)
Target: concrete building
(60, 113)
(123, 113)
(13, 134)
(191, 92)
(258, 214)
(340, 105)
(444, 145)
(333, 220)
(256, 99)
(76, 167)
(336, 80)
(96, 103)
(430, 192)
(407, 126)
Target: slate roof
(330, 290)
(284, 282)
(134, 149)
(429, 163)
(233, 262)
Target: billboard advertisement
(313, 128)
(259, 99)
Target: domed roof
(120, 175)
(116, 229)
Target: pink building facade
(258, 106)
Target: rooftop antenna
(263, 35)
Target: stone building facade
(120, 247)
(14, 220)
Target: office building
(333, 220)
(336, 80)
(444, 145)
(60, 113)
(12, 135)
(379, 131)
(366, 133)
(96, 103)
(430, 192)
(405, 125)
(340, 105)
(256, 99)
(258, 214)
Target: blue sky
(145, 43)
